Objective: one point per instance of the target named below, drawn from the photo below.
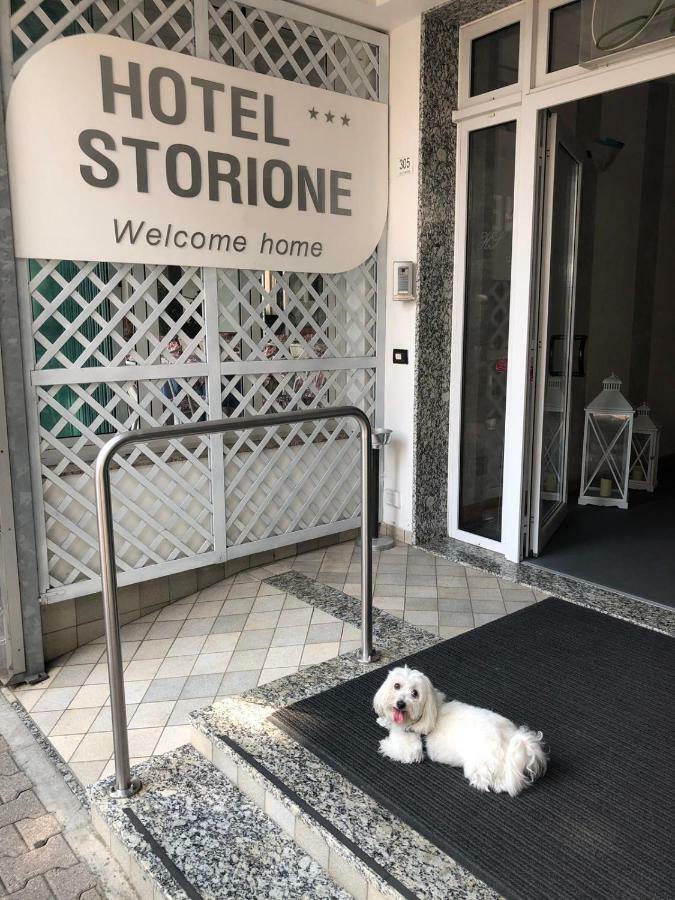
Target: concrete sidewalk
(48, 849)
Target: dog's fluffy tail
(525, 760)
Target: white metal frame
(342, 362)
(540, 533)
(487, 25)
(525, 108)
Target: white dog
(494, 753)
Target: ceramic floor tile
(87, 772)
(319, 634)
(182, 709)
(162, 630)
(142, 741)
(209, 663)
(72, 676)
(74, 721)
(260, 620)
(196, 627)
(278, 657)
(217, 643)
(153, 649)
(450, 631)
(89, 653)
(56, 698)
(268, 603)
(142, 669)
(152, 714)
(255, 639)
(135, 691)
(243, 660)
(225, 624)
(94, 746)
(268, 675)
(187, 646)
(238, 682)
(207, 610)
(301, 616)
(66, 744)
(165, 689)
(173, 736)
(173, 666)
(287, 637)
(201, 685)
(318, 653)
(484, 618)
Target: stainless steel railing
(125, 786)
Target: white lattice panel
(278, 315)
(122, 346)
(251, 38)
(308, 474)
(35, 23)
(161, 492)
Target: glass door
(562, 201)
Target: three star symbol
(330, 116)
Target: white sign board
(124, 152)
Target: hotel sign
(123, 152)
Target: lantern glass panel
(606, 455)
(641, 456)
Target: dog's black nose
(400, 704)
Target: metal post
(125, 786)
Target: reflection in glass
(564, 36)
(494, 60)
(558, 337)
(486, 327)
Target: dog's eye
(397, 686)
(413, 694)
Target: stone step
(190, 833)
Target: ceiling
(381, 14)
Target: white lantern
(645, 454)
(608, 429)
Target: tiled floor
(238, 634)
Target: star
(313, 113)
(329, 116)
(345, 119)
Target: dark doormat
(600, 823)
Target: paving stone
(36, 889)
(12, 785)
(38, 831)
(16, 872)
(24, 806)
(11, 843)
(71, 883)
(7, 764)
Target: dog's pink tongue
(399, 715)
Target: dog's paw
(403, 748)
(383, 722)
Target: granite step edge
(297, 819)
(149, 876)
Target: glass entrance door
(562, 201)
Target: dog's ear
(380, 699)
(427, 721)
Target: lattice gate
(111, 347)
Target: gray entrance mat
(600, 823)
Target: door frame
(526, 106)
(556, 134)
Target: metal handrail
(125, 786)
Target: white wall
(404, 86)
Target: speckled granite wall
(436, 224)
